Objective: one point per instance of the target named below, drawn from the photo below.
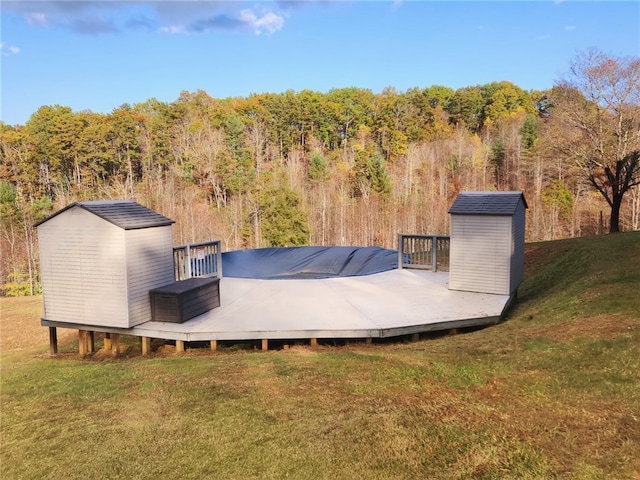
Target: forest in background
(346, 167)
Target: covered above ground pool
(308, 262)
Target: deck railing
(198, 260)
(430, 252)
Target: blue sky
(98, 55)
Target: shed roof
(487, 203)
(126, 214)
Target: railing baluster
(423, 251)
(187, 265)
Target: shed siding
(83, 267)
(150, 265)
(481, 248)
(61, 276)
(517, 263)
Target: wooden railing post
(434, 253)
(219, 258)
(188, 260)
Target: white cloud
(569, 28)
(396, 4)
(8, 50)
(270, 21)
(543, 37)
(172, 29)
(89, 17)
(37, 18)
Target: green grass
(553, 392)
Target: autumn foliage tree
(346, 167)
(599, 99)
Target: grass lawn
(552, 392)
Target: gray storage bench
(182, 300)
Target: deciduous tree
(599, 98)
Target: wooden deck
(388, 304)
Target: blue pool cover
(307, 262)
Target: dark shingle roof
(126, 214)
(487, 203)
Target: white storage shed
(100, 259)
(487, 242)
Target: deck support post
(115, 343)
(265, 344)
(82, 342)
(368, 340)
(314, 342)
(214, 345)
(145, 345)
(453, 331)
(91, 337)
(179, 346)
(53, 340)
(415, 337)
(107, 341)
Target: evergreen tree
(528, 131)
(497, 160)
(283, 221)
(370, 173)
(318, 167)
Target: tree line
(346, 167)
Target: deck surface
(392, 303)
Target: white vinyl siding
(150, 265)
(84, 281)
(481, 248)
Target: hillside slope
(592, 280)
(551, 392)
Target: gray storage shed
(100, 259)
(487, 242)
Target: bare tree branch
(600, 100)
